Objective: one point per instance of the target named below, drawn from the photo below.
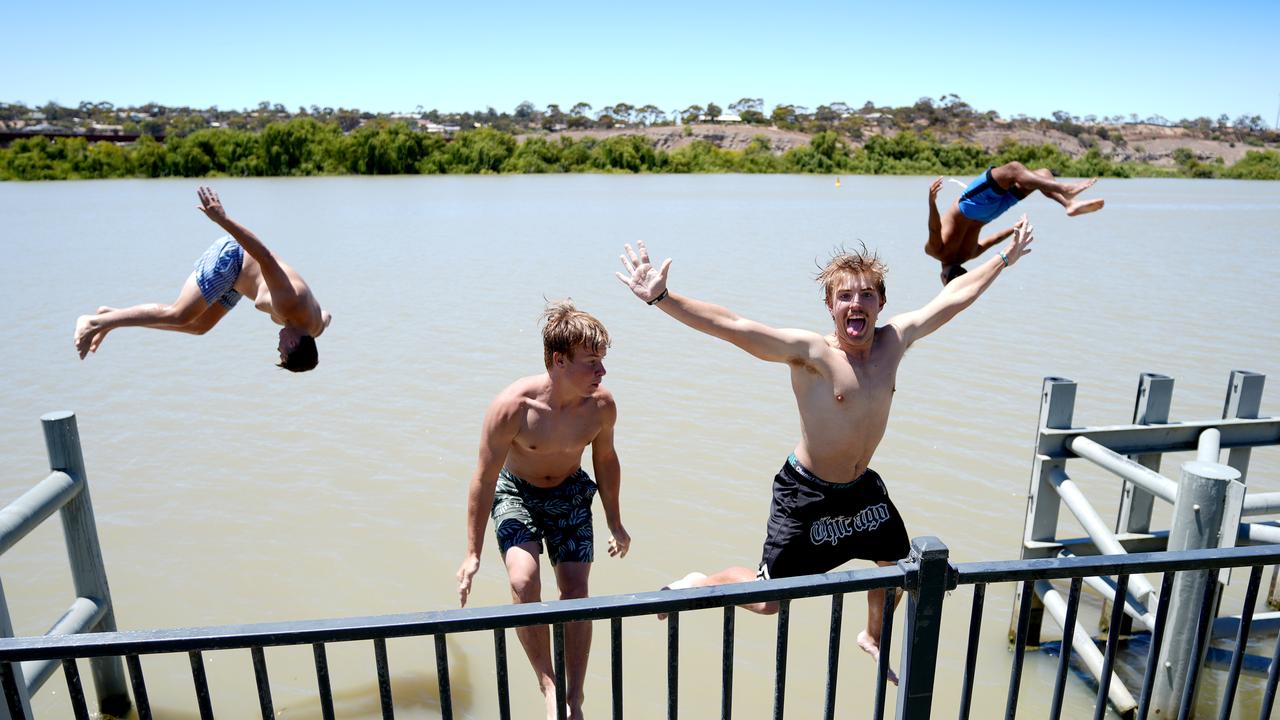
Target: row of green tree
(304, 146)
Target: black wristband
(661, 296)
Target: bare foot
(86, 334)
(872, 648)
(1075, 189)
(688, 581)
(1085, 207)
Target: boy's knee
(525, 586)
(573, 588)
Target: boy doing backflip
(529, 476)
(828, 506)
(954, 235)
(236, 264)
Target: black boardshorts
(815, 526)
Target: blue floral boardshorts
(560, 516)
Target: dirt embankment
(1141, 143)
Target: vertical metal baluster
(264, 683)
(139, 685)
(442, 678)
(12, 696)
(201, 683)
(500, 659)
(384, 679)
(1113, 644)
(726, 665)
(1064, 656)
(886, 637)
(1157, 639)
(780, 658)
(322, 680)
(971, 656)
(833, 655)
(673, 664)
(615, 646)
(557, 637)
(1242, 637)
(1269, 695)
(1019, 649)
(75, 689)
(1197, 643)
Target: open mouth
(855, 325)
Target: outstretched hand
(1023, 234)
(934, 189)
(644, 280)
(210, 205)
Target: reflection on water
(228, 491)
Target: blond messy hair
(565, 328)
(843, 262)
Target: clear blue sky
(1177, 59)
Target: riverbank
(303, 146)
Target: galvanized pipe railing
(1093, 524)
(65, 490)
(1149, 480)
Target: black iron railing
(926, 576)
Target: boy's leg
(728, 576)
(186, 309)
(869, 639)
(524, 571)
(571, 578)
(1015, 173)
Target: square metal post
(1040, 533)
(929, 558)
(1150, 407)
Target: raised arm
(963, 291)
(994, 239)
(608, 471)
(501, 423)
(767, 343)
(284, 298)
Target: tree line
(305, 146)
(948, 114)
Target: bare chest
(555, 433)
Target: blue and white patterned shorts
(217, 270)
(560, 515)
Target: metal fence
(926, 576)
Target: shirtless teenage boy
(529, 476)
(829, 506)
(954, 235)
(236, 264)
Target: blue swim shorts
(217, 270)
(560, 516)
(984, 200)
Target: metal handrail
(301, 632)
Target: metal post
(20, 684)
(1039, 537)
(1198, 515)
(1244, 399)
(923, 623)
(1155, 393)
(62, 440)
